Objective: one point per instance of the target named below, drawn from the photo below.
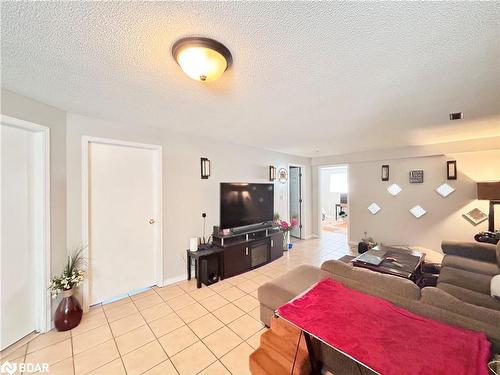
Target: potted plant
(286, 227)
(69, 312)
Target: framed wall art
(417, 177)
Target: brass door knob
(152, 221)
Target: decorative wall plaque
(475, 216)
(418, 211)
(444, 190)
(417, 177)
(374, 208)
(394, 189)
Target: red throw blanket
(384, 337)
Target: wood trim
(43, 235)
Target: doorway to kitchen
(334, 199)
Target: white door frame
(318, 192)
(303, 212)
(86, 140)
(42, 223)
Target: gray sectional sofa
(431, 302)
(467, 270)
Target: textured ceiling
(308, 78)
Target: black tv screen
(244, 204)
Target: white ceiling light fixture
(202, 59)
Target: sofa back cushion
(393, 288)
(498, 253)
(440, 305)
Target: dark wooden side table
(198, 256)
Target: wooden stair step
(280, 350)
(264, 363)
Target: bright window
(338, 182)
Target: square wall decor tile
(418, 211)
(394, 189)
(374, 208)
(444, 190)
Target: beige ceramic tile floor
(177, 329)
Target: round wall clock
(283, 175)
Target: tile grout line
(154, 334)
(93, 347)
(224, 325)
(114, 340)
(72, 350)
(201, 339)
(292, 260)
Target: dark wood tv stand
(250, 249)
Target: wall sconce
(451, 169)
(385, 172)
(272, 173)
(205, 168)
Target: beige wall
(185, 195)
(393, 224)
(23, 108)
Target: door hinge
(300, 226)
(300, 200)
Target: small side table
(338, 208)
(198, 256)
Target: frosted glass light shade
(418, 211)
(394, 189)
(374, 208)
(444, 190)
(201, 63)
(202, 59)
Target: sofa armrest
(473, 250)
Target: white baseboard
(173, 280)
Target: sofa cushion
(440, 305)
(470, 296)
(468, 280)
(475, 250)
(285, 287)
(372, 281)
(471, 265)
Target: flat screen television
(243, 204)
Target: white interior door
(295, 195)
(124, 219)
(18, 272)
